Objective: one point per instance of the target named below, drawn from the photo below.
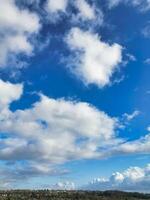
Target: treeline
(70, 195)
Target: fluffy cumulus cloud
(143, 5)
(94, 61)
(132, 179)
(8, 93)
(54, 131)
(56, 10)
(16, 27)
(57, 6)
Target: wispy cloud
(142, 5)
(129, 117)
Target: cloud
(85, 10)
(67, 185)
(142, 5)
(76, 11)
(132, 179)
(147, 61)
(57, 6)
(131, 57)
(51, 132)
(87, 13)
(56, 131)
(129, 117)
(16, 27)
(13, 174)
(146, 30)
(9, 92)
(55, 9)
(34, 133)
(90, 61)
(141, 145)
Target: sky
(74, 94)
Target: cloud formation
(142, 5)
(129, 117)
(85, 10)
(67, 185)
(76, 11)
(132, 179)
(55, 9)
(56, 131)
(16, 27)
(90, 62)
(57, 6)
(13, 174)
(8, 93)
(34, 133)
(87, 13)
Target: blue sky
(74, 94)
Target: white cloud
(131, 57)
(141, 145)
(55, 9)
(56, 6)
(85, 10)
(37, 131)
(17, 20)
(67, 185)
(8, 93)
(148, 128)
(13, 174)
(16, 26)
(87, 13)
(142, 5)
(54, 131)
(129, 117)
(91, 63)
(132, 179)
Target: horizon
(75, 95)
(75, 190)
